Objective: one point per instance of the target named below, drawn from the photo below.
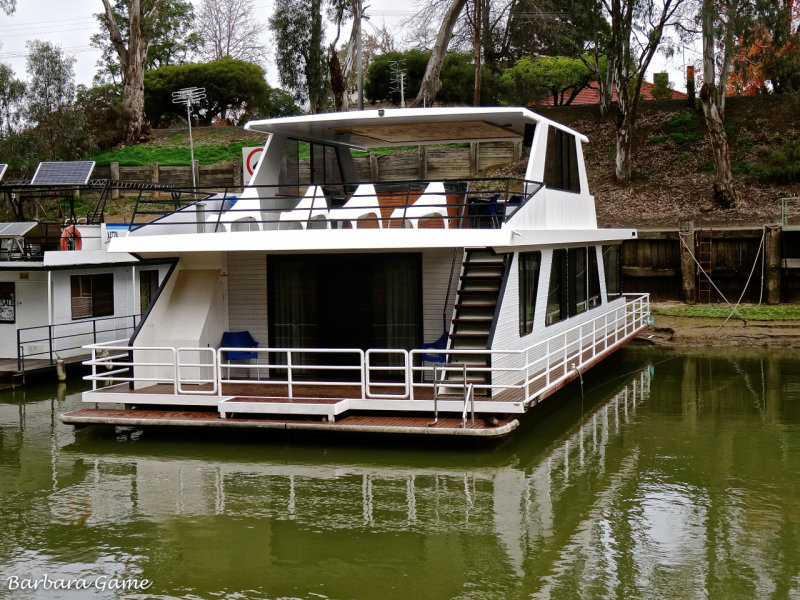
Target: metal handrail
(540, 368)
(470, 395)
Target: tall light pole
(189, 96)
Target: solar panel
(16, 229)
(63, 173)
(3, 168)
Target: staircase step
(475, 320)
(479, 291)
(481, 276)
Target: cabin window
(529, 263)
(612, 264)
(595, 299)
(305, 163)
(92, 295)
(148, 286)
(561, 162)
(557, 290)
(289, 178)
(8, 302)
(576, 263)
(574, 283)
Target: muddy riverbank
(680, 331)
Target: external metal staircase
(476, 302)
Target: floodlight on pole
(189, 96)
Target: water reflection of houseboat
(314, 300)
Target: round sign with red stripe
(252, 159)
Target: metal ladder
(704, 247)
(440, 379)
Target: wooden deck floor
(374, 424)
(264, 391)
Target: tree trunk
(605, 87)
(133, 61)
(623, 160)
(133, 99)
(724, 191)
(476, 50)
(430, 81)
(338, 86)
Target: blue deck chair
(238, 339)
(440, 344)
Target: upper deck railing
(483, 203)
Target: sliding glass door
(345, 301)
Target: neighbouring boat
(313, 300)
(61, 290)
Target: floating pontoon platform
(371, 424)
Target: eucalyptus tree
(300, 56)
(12, 94)
(131, 44)
(431, 84)
(722, 25)
(637, 30)
(57, 126)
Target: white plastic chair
(244, 215)
(432, 202)
(311, 211)
(363, 204)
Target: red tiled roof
(590, 95)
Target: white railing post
(94, 368)
(174, 371)
(289, 385)
(363, 375)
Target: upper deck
(305, 191)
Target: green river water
(676, 475)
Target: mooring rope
(752, 270)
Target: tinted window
(528, 286)
(612, 265)
(561, 162)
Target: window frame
(573, 297)
(561, 165)
(528, 290)
(96, 292)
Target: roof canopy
(406, 126)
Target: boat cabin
(319, 296)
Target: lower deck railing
(299, 373)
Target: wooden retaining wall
(425, 163)
(755, 264)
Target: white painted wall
(554, 209)
(192, 312)
(31, 304)
(436, 270)
(247, 292)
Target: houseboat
(61, 290)
(315, 298)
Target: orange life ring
(71, 238)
